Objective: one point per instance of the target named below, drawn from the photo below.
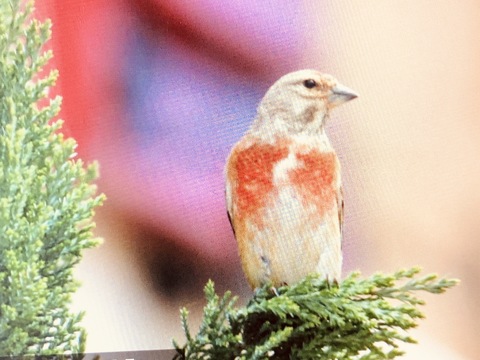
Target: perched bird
(283, 186)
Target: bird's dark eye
(310, 83)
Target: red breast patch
(315, 177)
(254, 168)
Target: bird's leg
(331, 283)
(274, 290)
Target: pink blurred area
(150, 90)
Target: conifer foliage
(46, 197)
(356, 319)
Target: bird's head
(300, 102)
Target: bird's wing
(228, 197)
(229, 185)
(340, 206)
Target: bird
(283, 184)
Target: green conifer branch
(46, 197)
(355, 319)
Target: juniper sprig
(314, 319)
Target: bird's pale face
(300, 101)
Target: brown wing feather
(229, 183)
(230, 220)
(340, 205)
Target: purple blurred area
(158, 91)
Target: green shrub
(46, 197)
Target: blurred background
(157, 91)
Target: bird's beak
(341, 94)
